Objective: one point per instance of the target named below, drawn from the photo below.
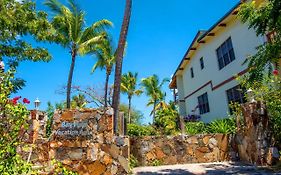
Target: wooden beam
(186, 58)
(211, 34)
(222, 25)
(193, 48)
(202, 42)
(180, 68)
(235, 12)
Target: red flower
(26, 101)
(275, 72)
(15, 100)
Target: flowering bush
(13, 117)
(192, 118)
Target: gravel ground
(204, 168)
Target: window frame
(202, 64)
(225, 53)
(203, 103)
(235, 94)
(191, 72)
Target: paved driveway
(204, 168)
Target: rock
(107, 160)
(213, 142)
(167, 149)
(114, 169)
(124, 163)
(75, 154)
(206, 140)
(150, 156)
(97, 168)
(114, 151)
(159, 153)
(120, 141)
(272, 156)
(203, 149)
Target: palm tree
(105, 54)
(129, 87)
(71, 33)
(153, 88)
(79, 101)
(119, 61)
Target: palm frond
(54, 5)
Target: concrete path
(204, 168)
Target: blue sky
(159, 35)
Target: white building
(205, 78)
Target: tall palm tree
(105, 54)
(119, 61)
(153, 89)
(129, 87)
(71, 33)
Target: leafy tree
(265, 18)
(71, 33)
(153, 89)
(166, 118)
(105, 54)
(129, 87)
(19, 19)
(136, 115)
(119, 61)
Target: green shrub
(223, 126)
(139, 130)
(195, 128)
(133, 161)
(156, 162)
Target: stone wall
(83, 141)
(168, 150)
(253, 138)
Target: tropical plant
(105, 54)
(119, 61)
(129, 87)
(140, 130)
(166, 119)
(223, 126)
(71, 33)
(195, 128)
(78, 101)
(265, 18)
(136, 115)
(153, 89)
(13, 121)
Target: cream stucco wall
(244, 42)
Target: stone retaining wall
(169, 150)
(83, 141)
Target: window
(225, 53)
(235, 95)
(191, 72)
(203, 104)
(202, 63)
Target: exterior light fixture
(251, 96)
(37, 103)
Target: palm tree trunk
(119, 61)
(106, 89)
(129, 109)
(70, 75)
(154, 108)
